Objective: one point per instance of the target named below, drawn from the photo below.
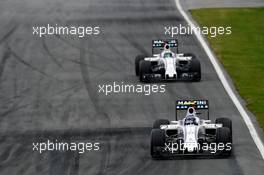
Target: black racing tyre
(196, 69)
(157, 123)
(223, 135)
(137, 60)
(144, 68)
(157, 140)
(226, 122)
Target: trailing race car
(167, 65)
(191, 135)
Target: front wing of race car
(159, 77)
(209, 151)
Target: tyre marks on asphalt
(7, 53)
(130, 39)
(91, 52)
(3, 62)
(64, 163)
(27, 64)
(8, 34)
(53, 58)
(100, 112)
(121, 56)
(124, 150)
(18, 146)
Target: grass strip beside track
(242, 52)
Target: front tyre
(157, 123)
(226, 122)
(223, 136)
(157, 142)
(144, 68)
(137, 60)
(196, 69)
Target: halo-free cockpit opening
(167, 55)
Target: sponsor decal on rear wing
(197, 104)
(158, 45)
(202, 105)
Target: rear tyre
(157, 141)
(223, 136)
(226, 122)
(196, 69)
(137, 60)
(144, 68)
(157, 123)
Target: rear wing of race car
(158, 45)
(196, 104)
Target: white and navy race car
(167, 65)
(191, 135)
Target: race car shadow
(169, 81)
(196, 157)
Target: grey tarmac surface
(193, 4)
(49, 90)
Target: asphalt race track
(49, 90)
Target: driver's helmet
(166, 46)
(190, 118)
(191, 110)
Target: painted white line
(225, 83)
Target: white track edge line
(240, 108)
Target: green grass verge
(242, 52)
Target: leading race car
(194, 134)
(167, 64)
